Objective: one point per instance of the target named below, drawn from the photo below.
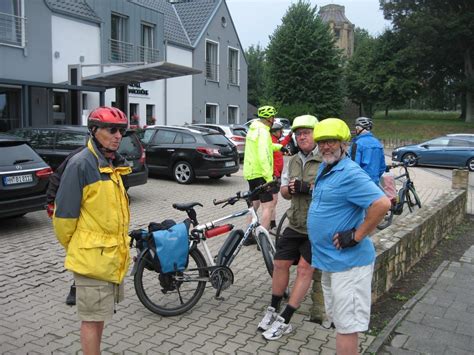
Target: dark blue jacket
(369, 155)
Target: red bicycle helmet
(106, 116)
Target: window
(12, 24)
(146, 51)
(438, 142)
(164, 137)
(211, 113)
(212, 61)
(232, 114)
(337, 33)
(150, 115)
(134, 114)
(120, 50)
(70, 140)
(59, 107)
(9, 108)
(233, 66)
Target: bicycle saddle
(185, 206)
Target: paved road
(33, 287)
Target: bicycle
(405, 195)
(174, 293)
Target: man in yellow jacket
(258, 160)
(91, 219)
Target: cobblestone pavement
(34, 284)
(440, 318)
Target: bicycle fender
(261, 229)
(136, 260)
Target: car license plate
(19, 179)
(230, 163)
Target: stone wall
(403, 244)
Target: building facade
(41, 39)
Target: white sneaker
(268, 319)
(278, 329)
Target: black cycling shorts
(292, 245)
(266, 196)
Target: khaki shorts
(347, 298)
(96, 299)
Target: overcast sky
(255, 20)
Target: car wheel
(216, 177)
(411, 159)
(183, 172)
(470, 164)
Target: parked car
(284, 121)
(23, 177)
(55, 143)
(185, 152)
(235, 133)
(452, 150)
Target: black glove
(347, 238)
(284, 150)
(302, 187)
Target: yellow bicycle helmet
(305, 121)
(332, 128)
(266, 112)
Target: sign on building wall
(137, 90)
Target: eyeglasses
(330, 142)
(300, 133)
(113, 130)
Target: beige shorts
(347, 298)
(96, 299)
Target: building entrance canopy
(138, 74)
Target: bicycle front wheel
(281, 226)
(412, 199)
(172, 293)
(268, 251)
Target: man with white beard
(346, 206)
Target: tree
(304, 66)
(440, 35)
(256, 74)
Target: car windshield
(217, 139)
(130, 146)
(146, 135)
(286, 123)
(16, 154)
(242, 132)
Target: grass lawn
(418, 126)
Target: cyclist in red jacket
(277, 132)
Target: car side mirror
(426, 146)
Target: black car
(23, 177)
(185, 153)
(55, 143)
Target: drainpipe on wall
(166, 88)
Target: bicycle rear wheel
(281, 226)
(172, 293)
(387, 220)
(412, 199)
(268, 251)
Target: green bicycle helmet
(332, 128)
(266, 112)
(305, 121)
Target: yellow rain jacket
(258, 156)
(92, 216)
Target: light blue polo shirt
(339, 201)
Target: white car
(235, 133)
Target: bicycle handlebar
(244, 194)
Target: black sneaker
(71, 298)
